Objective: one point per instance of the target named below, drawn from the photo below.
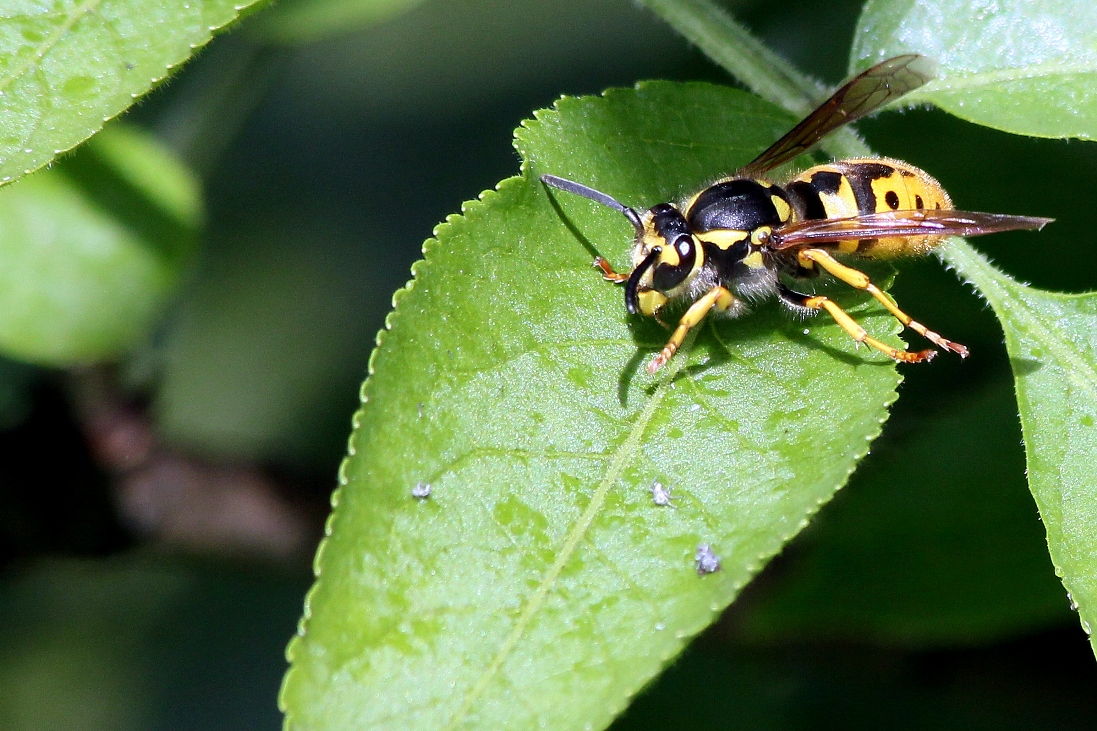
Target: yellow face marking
(723, 238)
(754, 260)
(650, 301)
(783, 209)
(761, 235)
(669, 255)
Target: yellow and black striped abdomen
(869, 185)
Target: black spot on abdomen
(860, 176)
(892, 199)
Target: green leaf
(538, 585)
(1023, 66)
(1052, 343)
(130, 641)
(92, 248)
(303, 21)
(68, 66)
(952, 556)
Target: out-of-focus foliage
(142, 642)
(92, 248)
(304, 21)
(1023, 66)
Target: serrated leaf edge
(56, 37)
(625, 450)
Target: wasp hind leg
(851, 326)
(860, 280)
(717, 297)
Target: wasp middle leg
(856, 278)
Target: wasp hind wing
(860, 96)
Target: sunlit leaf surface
(539, 585)
(1024, 66)
(67, 66)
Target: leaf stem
(712, 29)
(723, 39)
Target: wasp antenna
(597, 196)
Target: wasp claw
(660, 360)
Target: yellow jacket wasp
(733, 241)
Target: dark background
(161, 595)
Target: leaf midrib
(623, 457)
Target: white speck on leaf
(707, 561)
(660, 494)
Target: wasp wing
(900, 223)
(861, 96)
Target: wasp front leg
(607, 271)
(860, 280)
(717, 297)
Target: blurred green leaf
(92, 249)
(1023, 66)
(293, 304)
(539, 585)
(142, 641)
(936, 541)
(152, 171)
(68, 66)
(302, 21)
(1052, 343)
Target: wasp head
(665, 259)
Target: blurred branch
(177, 499)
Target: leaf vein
(453, 464)
(45, 46)
(624, 455)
